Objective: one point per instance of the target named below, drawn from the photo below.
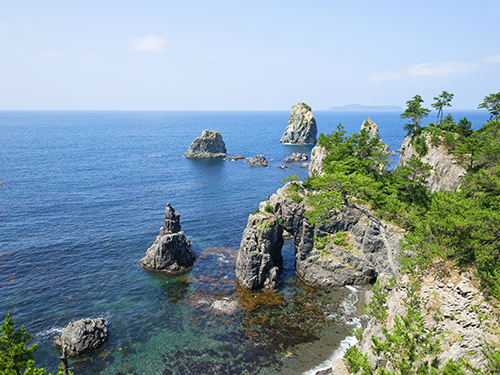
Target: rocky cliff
(446, 174)
(301, 127)
(209, 145)
(171, 251)
(352, 248)
(452, 308)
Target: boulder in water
(82, 336)
(301, 127)
(171, 251)
(209, 145)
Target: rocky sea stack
(301, 127)
(82, 336)
(209, 145)
(171, 251)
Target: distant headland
(359, 107)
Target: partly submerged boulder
(296, 157)
(258, 161)
(301, 127)
(171, 251)
(209, 145)
(82, 336)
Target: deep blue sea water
(83, 197)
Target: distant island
(359, 107)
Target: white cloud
(148, 43)
(386, 75)
(130, 69)
(52, 53)
(443, 68)
(492, 59)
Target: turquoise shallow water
(83, 197)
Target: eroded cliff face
(445, 175)
(351, 248)
(301, 127)
(453, 309)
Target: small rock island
(82, 336)
(171, 252)
(301, 129)
(209, 145)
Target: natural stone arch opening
(369, 252)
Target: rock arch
(365, 251)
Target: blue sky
(244, 55)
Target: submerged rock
(235, 158)
(82, 336)
(258, 161)
(209, 145)
(171, 251)
(301, 127)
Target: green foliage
(442, 100)
(415, 112)
(492, 104)
(268, 208)
(296, 197)
(308, 107)
(449, 141)
(341, 239)
(294, 177)
(420, 145)
(377, 307)
(15, 357)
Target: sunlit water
(83, 197)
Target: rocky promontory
(209, 145)
(171, 251)
(351, 248)
(301, 127)
(82, 336)
(446, 173)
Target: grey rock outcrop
(82, 336)
(259, 261)
(171, 251)
(235, 158)
(452, 309)
(351, 248)
(296, 157)
(209, 145)
(258, 161)
(445, 175)
(373, 132)
(318, 153)
(301, 127)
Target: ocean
(83, 196)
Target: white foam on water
(348, 307)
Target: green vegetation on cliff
(463, 225)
